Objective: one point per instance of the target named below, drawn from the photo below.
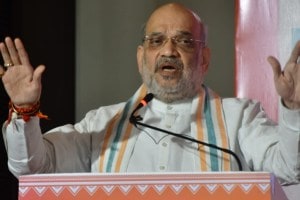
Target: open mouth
(169, 68)
(169, 71)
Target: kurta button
(164, 144)
(168, 126)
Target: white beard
(188, 86)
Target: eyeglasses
(184, 42)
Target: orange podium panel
(208, 186)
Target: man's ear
(139, 56)
(206, 58)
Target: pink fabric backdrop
(256, 39)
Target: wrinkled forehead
(171, 20)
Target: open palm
(21, 81)
(287, 82)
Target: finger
(295, 53)
(275, 66)
(23, 56)
(12, 51)
(37, 74)
(5, 54)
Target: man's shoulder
(238, 100)
(239, 103)
(107, 110)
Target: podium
(137, 186)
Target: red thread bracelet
(26, 112)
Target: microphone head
(133, 119)
(146, 100)
(148, 97)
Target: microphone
(135, 120)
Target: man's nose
(169, 48)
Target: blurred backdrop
(89, 49)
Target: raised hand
(287, 82)
(21, 81)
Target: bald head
(171, 17)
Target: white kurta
(260, 144)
